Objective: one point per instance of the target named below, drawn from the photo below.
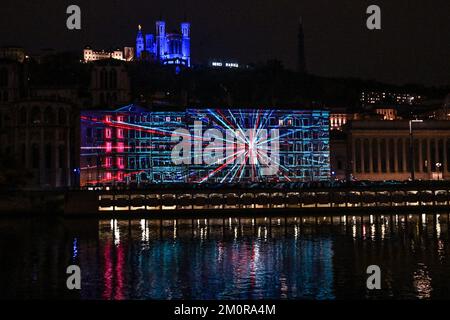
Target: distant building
(165, 47)
(125, 54)
(391, 98)
(301, 64)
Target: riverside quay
(260, 199)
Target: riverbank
(207, 202)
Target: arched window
(113, 79)
(23, 116)
(36, 115)
(61, 156)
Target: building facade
(125, 54)
(135, 145)
(173, 48)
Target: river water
(317, 257)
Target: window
(120, 162)
(49, 116)
(35, 156)
(48, 156)
(4, 77)
(62, 117)
(120, 147)
(108, 162)
(36, 115)
(61, 156)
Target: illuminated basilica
(165, 47)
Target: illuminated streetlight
(438, 167)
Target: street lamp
(411, 148)
(438, 167)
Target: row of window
(108, 79)
(109, 133)
(37, 116)
(246, 122)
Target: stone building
(40, 135)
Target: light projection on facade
(218, 146)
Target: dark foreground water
(277, 258)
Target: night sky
(413, 45)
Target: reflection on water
(232, 258)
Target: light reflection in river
(232, 258)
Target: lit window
(108, 146)
(120, 163)
(108, 162)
